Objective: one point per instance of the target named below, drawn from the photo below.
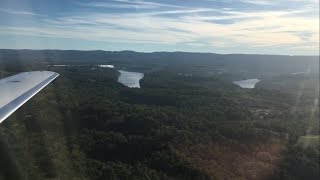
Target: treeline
(85, 125)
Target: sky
(289, 27)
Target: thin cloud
(10, 11)
(149, 3)
(258, 2)
(118, 5)
(273, 28)
(185, 11)
(192, 26)
(129, 4)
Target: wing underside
(18, 89)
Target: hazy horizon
(128, 50)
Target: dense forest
(187, 121)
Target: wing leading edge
(18, 89)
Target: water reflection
(249, 83)
(130, 79)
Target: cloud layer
(257, 25)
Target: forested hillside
(187, 121)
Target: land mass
(187, 121)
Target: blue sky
(228, 26)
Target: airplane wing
(18, 89)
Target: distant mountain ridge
(228, 62)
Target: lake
(249, 83)
(130, 79)
(106, 66)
